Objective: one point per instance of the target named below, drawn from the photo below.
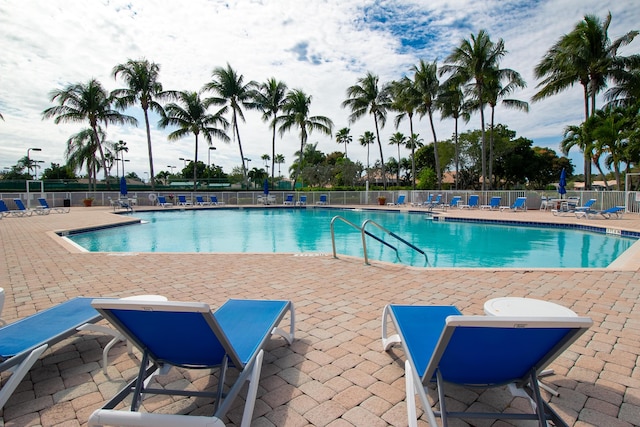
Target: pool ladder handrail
(364, 233)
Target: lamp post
(247, 171)
(148, 180)
(123, 161)
(209, 159)
(172, 168)
(184, 160)
(29, 159)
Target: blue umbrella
(123, 186)
(563, 183)
(266, 186)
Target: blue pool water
(447, 244)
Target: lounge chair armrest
(388, 342)
(291, 335)
(136, 419)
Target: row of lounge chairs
(182, 201)
(520, 204)
(436, 342)
(588, 211)
(23, 211)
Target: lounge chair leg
(387, 342)
(221, 377)
(289, 337)
(411, 395)
(18, 374)
(250, 402)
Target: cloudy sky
(321, 47)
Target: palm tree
(452, 103)
(609, 130)
(472, 62)
(343, 137)
(190, 114)
(279, 159)
(269, 99)
(296, 114)
(425, 80)
(81, 151)
(398, 139)
(585, 55)
(405, 100)
(366, 139)
(141, 77)
(495, 91)
(231, 92)
(86, 102)
(367, 97)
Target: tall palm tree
(141, 77)
(367, 97)
(472, 63)
(90, 102)
(425, 80)
(230, 91)
(296, 114)
(585, 55)
(405, 100)
(270, 98)
(398, 139)
(495, 92)
(452, 104)
(609, 130)
(189, 114)
(366, 139)
(343, 137)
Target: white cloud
(319, 46)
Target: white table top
(514, 306)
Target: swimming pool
(447, 244)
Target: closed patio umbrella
(266, 187)
(123, 186)
(563, 183)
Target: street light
(148, 180)
(29, 159)
(184, 160)
(209, 159)
(172, 168)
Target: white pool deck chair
(190, 335)
(444, 347)
(22, 342)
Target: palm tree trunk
(237, 132)
(457, 148)
(384, 172)
(195, 166)
(99, 144)
(435, 151)
(146, 122)
(273, 149)
(587, 155)
(484, 148)
(493, 110)
(413, 154)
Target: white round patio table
(516, 306)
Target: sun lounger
(182, 201)
(473, 202)
(162, 201)
(215, 202)
(288, 200)
(201, 202)
(617, 211)
(323, 200)
(191, 336)
(519, 205)
(446, 348)
(398, 202)
(494, 204)
(45, 205)
(22, 342)
(5, 211)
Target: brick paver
(336, 373)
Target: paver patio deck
(335, 374)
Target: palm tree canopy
(141, 78)
(296, 113)
(366, 97)
(427, 85)
(269, 98)
(231, 91)
(189, 114)
(81, 102)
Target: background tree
(398, 139)
(189, 114)
(366, 139)
(472, 63)
(81, 152)
(405, 100)
(269, 98)
(86, 102)
(279, 159)
(367, 97)
(57, 171)
(343, 137)
(296, 114)
(452, 104)
(141, 77)
(231, 92)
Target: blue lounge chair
(425, 203)
(289, 199)
(494, 204)
(191, 336)
(27, 212)
(519, 205)
(444, 347)
(44, 205)
(5, 211)
(201, 202)
(302, 201)
(182, 201)
(398, 202)
(323, 200)
(22, 342)
(435, 203)
(215, 202)
(455, 202)
(617, 211)
(586, 207)
(162, 201)
(473, 202)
